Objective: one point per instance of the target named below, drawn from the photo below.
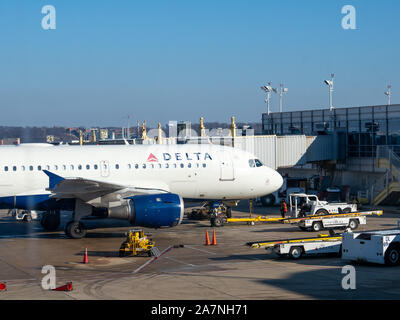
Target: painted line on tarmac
(190, 247)
(152, 260)
(176, 260)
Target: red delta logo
(152, 158)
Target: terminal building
(357, 146)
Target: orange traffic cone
(85, 257)
(214, 239)
(207, 239)
(67, 287)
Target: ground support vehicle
(302, 205)
(296, 248)
(24, 215)
(137, 243)
(380, 246)
(344, 220)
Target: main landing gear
(50, 220)
(75, 230)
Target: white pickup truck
(302, 205)
(382, 246)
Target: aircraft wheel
(75, 230)
(50, 220)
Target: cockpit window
(258, 163)
(252, 163)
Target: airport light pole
(281, 92)
(268, 90)
(389, 93)
(330, 84)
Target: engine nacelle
(152, 211)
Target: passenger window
(5, 168)
(64, 167)
(95, 167)
(204, 165)
(31, 168)
(129, 166)
(182, 165)
(167, 165)
(252, 164)
(144, 166)
(189, 165)
(152, 166)
(47, 167)
(87, 167)
(23, 168)
(197, 165)
(72, 167)
(56, 167)
(136, 166)
(38, 167)
(159, 165)
(174, 165)
(79, 167)
(14, 168)
(117, 166)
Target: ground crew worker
(283, 208)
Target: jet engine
(152, 211)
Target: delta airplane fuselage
(192, 171)
(144, 184)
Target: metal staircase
(387, 188)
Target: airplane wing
(87, 189)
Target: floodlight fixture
(329, 83)
(268, 90)
(389, 94)
(281, 92)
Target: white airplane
(144, 184)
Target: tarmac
(188, 270)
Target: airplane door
(104, 168)
(227, 172)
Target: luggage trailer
(344, 220)
(296, 248)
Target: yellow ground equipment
(272, 243)
(136, 244)
(221, 220)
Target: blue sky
(179, 60)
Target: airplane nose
(275, 180)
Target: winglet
(53, 179)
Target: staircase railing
(382, 187)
